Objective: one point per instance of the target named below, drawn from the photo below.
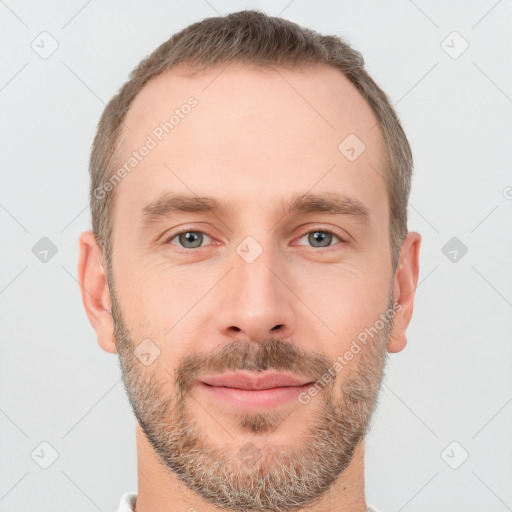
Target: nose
(256, 302)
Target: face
(245, 241)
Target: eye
(320, 238)
(189, 239)
(193, 239)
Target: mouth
(249, 392)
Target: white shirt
(128, 501)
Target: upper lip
(250, 381)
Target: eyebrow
(330, 203)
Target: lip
(252, 382)
(250, 392)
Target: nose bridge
(255, 300)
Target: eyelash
(190, 250)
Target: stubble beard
(254, 475)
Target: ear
(406, 280)
(94, 289)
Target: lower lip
(251, 399)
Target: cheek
(347, 299)
(152, 301)
(170, 305)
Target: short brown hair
(250, 37)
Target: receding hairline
(192, 69)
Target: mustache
(274, 354)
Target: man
(250, 263)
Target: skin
(251, 142)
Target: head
(249, 189)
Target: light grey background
(453, 382)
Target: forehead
(315, 102)
(253, 132)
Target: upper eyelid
(325, 230)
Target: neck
(159, 490)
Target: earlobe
(405, 283)
(397, 344)
(94, 290)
